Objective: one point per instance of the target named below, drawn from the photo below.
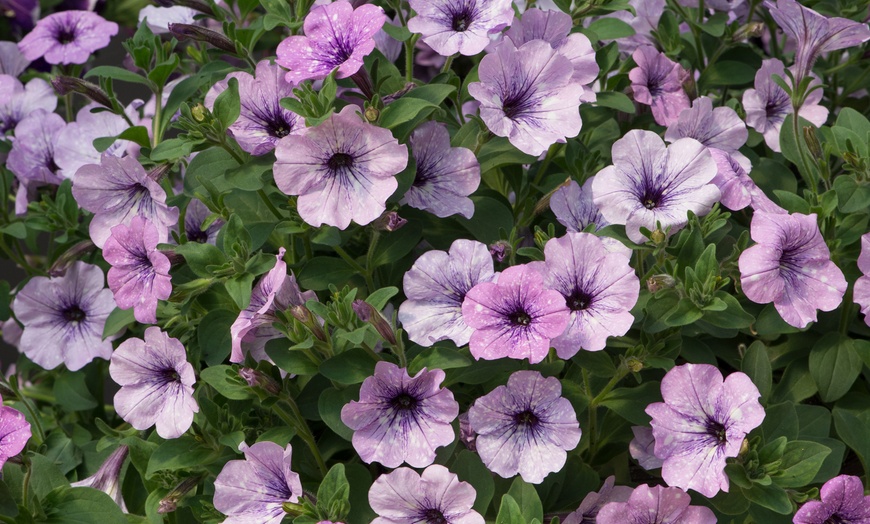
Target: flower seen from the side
(435, 496)
(656, 505)
(862, 285)
(573, 206)
(12, 61)
(14, 432)
(31, 159)
(107, 478)
(68, 37)
(459, 26)
(194, 219)
(657, 81)
(843, 502)
(642, 448)
(594, 501)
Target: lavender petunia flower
(644, 21)
(139, 276)
(593, 502)
(276, 291)
(262, 121)
(12, 62)
(156, 383)
(459, 26)
(657, 81)
(436, 285)
(386, 44)
(791, 266)
(514, 317)
(862, 285)
(599, 288)
(768, 104)
(255, 489)
(656, 505)
(400, 418)
(344, 169)
(336, 36)
(194, 217)
(642, 448)
(574, 208)
(525, 427)
(71, 311)
(445, 175)
(75, 144)
(17, 100)
(718, 128)
(159, 18)
(702, 421)
(407, 497)
(32, 156)
(68, 37)
(737, 188)
(843, 502)
(14, 432)
(650, 184)
(116, 191)
(815, 34)
(107, 478)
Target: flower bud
(304, 316)
(201, 34)
(634, 364)
(367, 313)
(65, 85)
(198, 112)
(813, 142)
(159, 171)
(69, 257)
(257, 379)
(372, 115)
(389, 221)
(500, 250)
(169, 503)
(656, 283)
(106, 479)
(658, 236)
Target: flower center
(835, 519)
(339, 161)
(520, 318)
(717, 431)
(526, 418)
(170, 375)
(197, 235)
(434, 516)
(404, 402)
(515, 104)
(280, 129)
(74, 314)
(65, 35)
(461, 22)
(578, 301)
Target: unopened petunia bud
(389, 221)
(201, 34)
(257, 379)
(65, 85)
(107, 477)
(813, 142)
(372, 114)
(658, 282)
(658, 236)
(69, 257)
(169, 503)
(367, 313)
(159, 171)
(634, 364)
(500, 250)
(303, 315)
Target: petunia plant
(435, 261)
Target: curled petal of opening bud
(500, 250)
(389, 221)
(65, 85)
(367, 313)
(201, 34)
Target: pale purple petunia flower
(862, 285)
(642, 448)
(262, 121)
(599, 288)
(18, 100)
(400, 418)
(436, 285)
(656, 505)
(108, 477)
(437, 495)
(514, 317)
(815, 34)
(14, 432)
(156, 383)
(116, 191)
(12, 61)
(159, 18)
(843, 502)
(737, 188)
(719, 128)
(768, 104)
(32, 156)
(573, 206)
(459, 26)
(254, 489)
(702, 421)
(336, 36)
(139, 276)
(343, 170)
(75, 144)
(194, 217)
(445, 175)
(649, 183)
(527, 95)
(68, 37)
(525, 427)
(594, 501)
(71, 311)
(791, 266)
(657, 81)
(645, 20)
(276, 291)
(386, 44)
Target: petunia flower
(525, 427)
(343, 169)
(642, 448)
(336, 36)
(862, 285)
(436, 285)
(768, 104)
(594, 501)
(445, 175)
(599, 288)
(386, 44)
(107, 478)
(71, 311)
(116, 191)
(843, 502)
(435, 496)
(159, 18)
(14, 432)
(650, 184)
(718, 128)
(702, 421)
(255, 489)
(276, 291)
(68, 37)
(12, 61)
(31, 159)
(156, 383)
(459, 26)
(18, 100)
(139, 275)
(194, 218)
(656, 505)
(262, 121)
(791, 266)
(573, 206)
(657, 81)
(400, 418)
(527, 95)
(75, 144)
(644, 21)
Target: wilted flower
(344, 169)
(642, 448)
(18, 100)
(459, 26)
(68, 37)
(702, 421)
(500, 250)
(655, 505)
(255, 489)
(71, 311)
(400, 418)
(156, 383)
(593, 502)
(657, 81)
(790, 266)
(843, 501)
(107, 478)
(862, 285)
(75, 144)
(437, 496)
(14, 432)
(525, 427)
(574, 208)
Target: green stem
(805, 163)
(621, 372)
(265, 198)
(25, 486)
(409, 58)
(846, 314)
(373, 243)
(447, 64)
(592, 415)
(157, 122)
(302, 428)
(349, 259)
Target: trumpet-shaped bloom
(336, 36)
(435, 496)
(862, 285)
(156, 383)
(718, 128)
(108, 477)
(657, 81)
(791, 266)
(527, 94)
(14, 432)
(32, 156)
(68, 37)
(650, 184)
(594, 501)
(574, 208)
(702, 421)
(843, 501)
(194, 217)
(656, 505)
(525, 427)
(18, 100)
(459, 26)
(400, 418)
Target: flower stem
(295, 420)
(265, 198)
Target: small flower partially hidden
(435, 496)
(500, 250)
(14, 432)
(654, 505)
(657, 81)
(390, 221)
(107, 478)
(592, 504)
(862, 285)
(258, 379)
(843, 501)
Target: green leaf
(351, 367)
(715, 25)
(329, 407)
(319, 272)
(852, 422)
(66, 505)
(615, 100)
(772, 497)
(498, 152)
(780, 420)
(72, 393)
(404, 110)
(118, 320)
(509, 512)
(438, 357)
(136, 134)
(381, 297)
(852, 195)
(213, 334)
(227, 382)
(184, 452)
(291, 360)
(227, 106)
(609, 29)
(528, 500)
(800, 463)
(200, 256)
(756, 364)
(118, 73)
(239, 288)
(45, 476)
(631, 403)
(8, 507)
(395, 245)
(469, 468)
(796, 384)
(732, 317)
(834, 365)
(490, 216)
(727, 73)
(15, 229)
(333, 494)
